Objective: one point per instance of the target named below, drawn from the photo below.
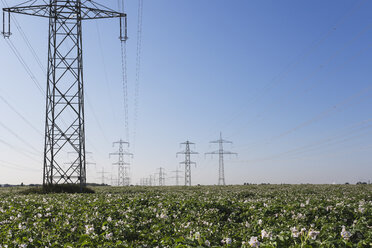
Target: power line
(14, 166)
(20, 138)
(97, 121)
(138, 70)
(306, 53)
(107, 82)
(26, 40)
(25, 66)
(313, 73)
(20, 115)
(123, 46)
(19, 150)
(334, 139)
(327, 112)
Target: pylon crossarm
(63, 10)
(220, 141)
(120, 163)
(67, 10)
(36, 10)
(187, 152)
(187, 142)
(120, 142)
(212, 153)
(230, 153)
(90, 13)
(121, 153)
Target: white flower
(21, 227)
(295, 232)
(345, 234)
(207, 243)
(260, 222)
(253, 242)
(360, 209)
(265, 234)
(108, 235)
(89, 229)
(313, 234)
(228, 241)
(109, 219)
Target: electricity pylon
(102, 175)
(113, 180)
(123, 167)
(177, 177)
(221, 152)
(87, 163)
(152, 180)
(187, 161)
(162, 175)
(64, 122)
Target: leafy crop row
(231, 216)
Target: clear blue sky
(289, 82)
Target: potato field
(198, 216)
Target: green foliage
(277, 215)
(60, 188)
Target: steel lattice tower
(221, 152)
(102, 175)
(162, 175)
(187, 161)
(123, 167)
(64, 122)
(177, 177)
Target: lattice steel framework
(65, 123)
(221, 152)
(123, 167)
(162, 175)
(188, 152)
(177, 176)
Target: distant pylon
(123, 167)
(102, 175)
(221, 152)
(187, 161)
(151, 180)
(86, 162)
(162, 175)
(113, 180)
(177, 177)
